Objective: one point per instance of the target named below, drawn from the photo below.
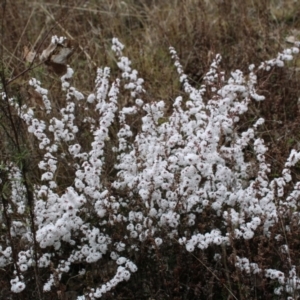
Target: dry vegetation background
(243, 32)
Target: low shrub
(129, 199)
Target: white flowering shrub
(179, 192)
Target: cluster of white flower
(5, 257)
(244, 265)
(18, 191)
(17, 286)
(176, 167)
(43, 92)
